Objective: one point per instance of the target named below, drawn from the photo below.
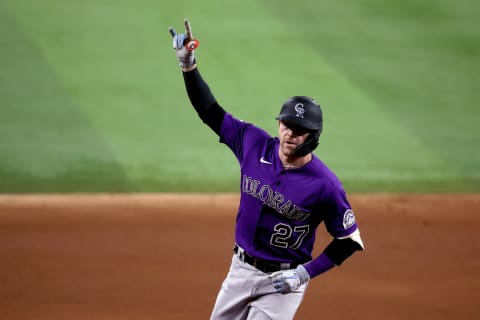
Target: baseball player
(286, 192)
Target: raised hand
(184, 45)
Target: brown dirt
(148, 256)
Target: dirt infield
(148, 256)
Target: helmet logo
(299, 109)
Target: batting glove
(184, 45)
(290, 280)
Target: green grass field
(92, 99)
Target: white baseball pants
(247, 293)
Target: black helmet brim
(298, 121)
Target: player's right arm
(198, 91)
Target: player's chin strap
(309, 145)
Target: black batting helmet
(304, 112)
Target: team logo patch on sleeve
(348, 219)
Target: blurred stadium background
(92, 99)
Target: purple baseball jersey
(281, 209)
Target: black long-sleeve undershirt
(203, 100)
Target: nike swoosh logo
(262, 160)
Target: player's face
(290, 137)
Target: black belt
(262, 265)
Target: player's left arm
(342, 225)
(339, 250)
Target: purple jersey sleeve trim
(319, 265)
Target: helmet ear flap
(310, 144)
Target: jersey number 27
(287, 237)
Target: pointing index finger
(188, 29)
(172, 31)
